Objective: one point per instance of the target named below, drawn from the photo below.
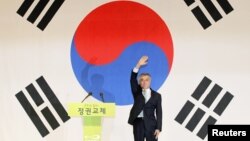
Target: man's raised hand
(142, 61)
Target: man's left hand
(157, 133)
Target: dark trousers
(140, 133)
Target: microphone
(89, 94)
(101, 95)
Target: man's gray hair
(144, 74)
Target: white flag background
(221, 52)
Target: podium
(92, 114)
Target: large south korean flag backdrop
(56, 52)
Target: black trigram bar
(24, 7)
(212, 95)
(226, 6)
(52, 99)
(222, 105)
(195, 119)
(50, 118)
(32, 114)
(203, 131)
(198, 92)
(34, 95)
(200, 16)
(189, 2)
(37, 10)
(212, 10)
(50, 14)
(186, 109)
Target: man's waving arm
(133, 79)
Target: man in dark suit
(147, 104)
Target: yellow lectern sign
(91, 109)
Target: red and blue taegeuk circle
(108, 43)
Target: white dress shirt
(147, 94)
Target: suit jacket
(153, 106)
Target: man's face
(145, 81)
